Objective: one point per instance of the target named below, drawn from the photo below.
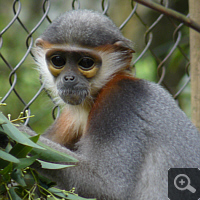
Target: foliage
(20, 181)
(146, 69)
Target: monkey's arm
(84, 176)
(48, 142)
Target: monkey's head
(79, 53)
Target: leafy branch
(17, 153)
(21, 117)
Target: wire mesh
(151, 29)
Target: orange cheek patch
(43, 44)
(108, 48)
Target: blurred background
(161, 45)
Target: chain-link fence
(161, 44)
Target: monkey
(124, 131)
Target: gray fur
(131, 143)
(74, 27)
(136, 132)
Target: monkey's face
(72, 69)
(79, 53)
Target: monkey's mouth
(73, 96)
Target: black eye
(58, 61)
(86, 63)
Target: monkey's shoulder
(132, 90)
(149, 100)
(132, 99)
(142, 103)
(141, 109)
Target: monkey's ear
(42, 43)
(123, 46)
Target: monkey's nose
(69, 78)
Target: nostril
(72, 78)
(69, 78)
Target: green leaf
(8, 147)
(17, 176)
(25, 162)
(2, 190)
(57, 192)
(7, 169)
(48, 165)
(8, 157)
(66, 195)
(52, 155)
(29, 180)
(14, 194)
(3, 163)
(45, 182)
(15, 134)
(52, 198)
(20, 151)
(34, 138)
(5, 173)
(2, 121)
(76, 197)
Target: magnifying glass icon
(182, 182)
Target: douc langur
(125, 132)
